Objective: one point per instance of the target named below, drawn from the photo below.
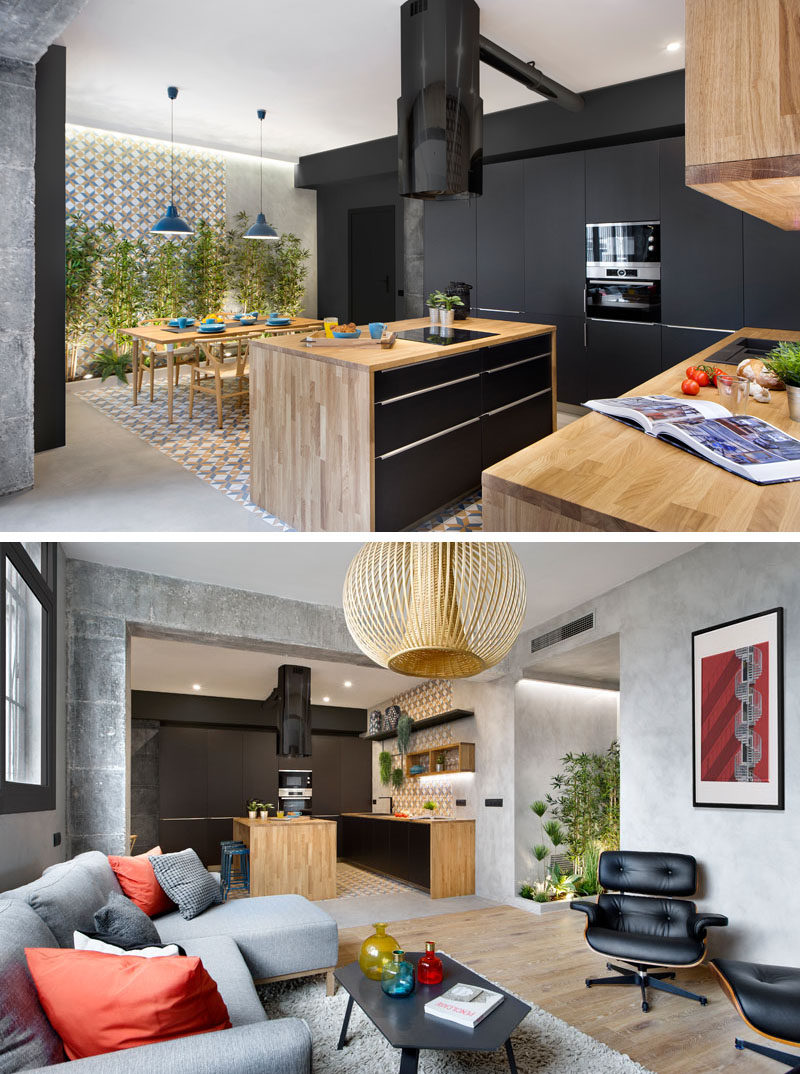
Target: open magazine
(740, 443)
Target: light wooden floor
(546, 961)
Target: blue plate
(212, 328)
(174, 323)
(279, 320)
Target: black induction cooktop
(442, 337)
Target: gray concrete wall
(552, 719)
(145, 810)
(105, 606)
(286, 208)
(26, 839)
(749, 858)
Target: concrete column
(414, 255)
(29, 28)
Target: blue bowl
(416, 769)
(279, 321)
(174, 323)
(246, 320)
(210, 328)
(346, 335)
(238, 316)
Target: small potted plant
(440, 762)
(784, 362)
(447, 312)
(430, 807)
(253, 807)
(264, 808)
(434, 301)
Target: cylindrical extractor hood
(440, 112)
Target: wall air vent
(418, 6)
(566, 630)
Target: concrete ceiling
(560, 574)
(174, 667)
(328, 74)
(594, 664)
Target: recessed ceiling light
(673, 46)
(347, 683)
(196, 686)
(326, 699)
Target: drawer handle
(522, 361)
(517, 402)
(422, 391)
(425, 439)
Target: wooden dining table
(168, 339)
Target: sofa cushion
(138, 881)
(26, 1037)
(103, 1003)
(67, 895)
(223, 961)
(276, 934)
(81, 942)
(187, 882)
(124, 920)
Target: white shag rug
(543, 1044)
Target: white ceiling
(561, 574)
(328, 74)
(174, 667)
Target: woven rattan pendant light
(438, 610)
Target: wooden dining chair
(225, 361)
(152, 353)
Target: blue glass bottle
(397, 978)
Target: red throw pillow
(138, 882)
(101, 1003)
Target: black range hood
(291, 700)
(440, 112)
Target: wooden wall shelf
(458, 757)
(420, 725)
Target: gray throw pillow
(124, 920)
(187, 882)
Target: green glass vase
(376, 951)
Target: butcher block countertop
(598, 474)
(257, 822)
(368, 354)
(410, 820)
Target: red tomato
(718, 372)
(690, 387)
(690, 372)
(702, 378)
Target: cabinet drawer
(510, 383)
(416, 481)
(390, 383)
(508, 353)
(515, 427)
(413, 417)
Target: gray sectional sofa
(239, 941)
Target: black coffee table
(406, 1026)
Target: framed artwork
(737, 697)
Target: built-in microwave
(629, 249)
(288, 777)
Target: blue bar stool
(234, 867)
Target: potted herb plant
(431, 808)
(448, 305)
(264, 808)
(433, 301)
(440, 762)
(252, 808)
(784, 362)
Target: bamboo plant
(83, 250)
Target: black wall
(48, 369)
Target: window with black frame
(28, 642)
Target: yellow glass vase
(376, 951)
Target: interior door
(372, 264)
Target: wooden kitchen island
(436, 855)
(354, 437)
(294, 856)
(598, 474)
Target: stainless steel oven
(294, 778)
(623, 271)
(295, 800)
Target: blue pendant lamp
(171, 223)
(261, 229)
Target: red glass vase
(429, 967)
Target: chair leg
(192, 372)
(662, 986)
(640, 976)
(152, 375)
(218, 389)
(770, 1053)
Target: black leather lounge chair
(768, 999)
(644, 925)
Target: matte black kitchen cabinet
(325, 751)
(701, 252)
(771, 276)
(622, 183)
(355, 775)
(500, 268)
(572, 383)
(621, 355)
(450, 244)
(401, 849)
(680, 344)
(555, 236)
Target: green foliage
(526, 891)
(539, 851)
(539, 808)
(404, 725)
(541, 896)
(587, 802)
(253, 805)
(561, 884)
(430, 806)
(784, 361)
(397, 777)
(204, 265)
(385, 767)
(589, 883)
(249, 267)
(444, 301)
(165, 281)
(107, 363)
(555, 833)
(83, 251)
(287, 278)
(122, 284)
